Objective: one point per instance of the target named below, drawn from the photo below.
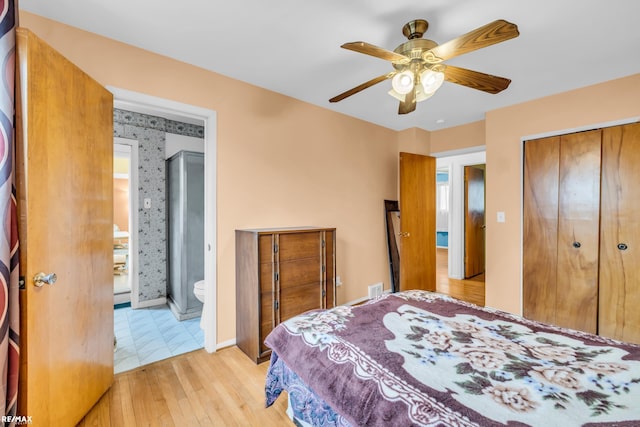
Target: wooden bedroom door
(474, 224)
(64, 164)
(619, 296)
(417, 222)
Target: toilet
(198, 290)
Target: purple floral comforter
(417, 358)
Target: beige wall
(414, 140)
(505, 129)
(458, 137)
(281, 162)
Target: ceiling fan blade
(409, 103)
(378, 52)
(363, 86)
(476, 79)
(495, 32)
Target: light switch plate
(147, 203)
(500, 217)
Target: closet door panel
(578, 231)
(540, 228)
(619, 297)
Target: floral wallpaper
(150, 132)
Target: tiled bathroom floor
(147, 335)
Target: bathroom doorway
(124, 192)
(149, 115)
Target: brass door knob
(41, 279)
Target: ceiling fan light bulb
(402, 82)
(431, 80)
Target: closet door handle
(622, 246)
(576, 245)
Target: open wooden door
(417, 222)
(474, 224)
(64, 163)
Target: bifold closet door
(619, 298)
(578, 231)
(540, 228)
(561, 230)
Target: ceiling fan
(418, 63)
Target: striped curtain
(9, 309)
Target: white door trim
(455, 165)
(123, 97)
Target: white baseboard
(122, 298)
(225, 344)
(363, 299)
(357, 301)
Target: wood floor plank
(139, 387)
(470, 290)
(192, 387)
(226, 389)
(116, 414)
(158, 404)
(170, 386)
(126, 399)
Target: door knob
(41, 279)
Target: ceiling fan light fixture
(422, 95)
(402, 82)
(431, 80)
(400, 97)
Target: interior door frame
(455, 161)
(133, 215)
(123, 97)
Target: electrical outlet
(338, 281)
(375, 290)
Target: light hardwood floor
(195, 389)
(220, 389)
(470, 290)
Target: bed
(417, 358)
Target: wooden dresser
(280, 273)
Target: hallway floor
(147, 335)
(470, 290)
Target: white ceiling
(293, 47)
